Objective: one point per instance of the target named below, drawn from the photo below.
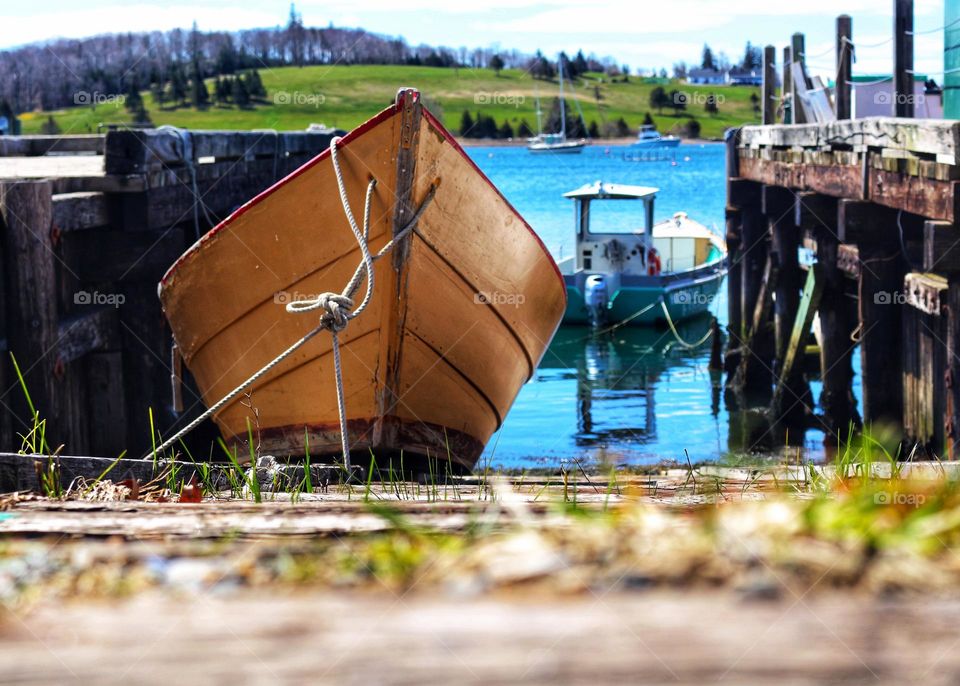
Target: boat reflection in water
(617, 374)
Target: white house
(707, 76)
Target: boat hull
(562, 149)
(455, 326)
(660, 143)
(636, 301)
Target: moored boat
(624, 274)
(461, 311)
(555, 142)
(649, 137)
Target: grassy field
(344, 96)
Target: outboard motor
(595, 298)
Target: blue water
(634, 397)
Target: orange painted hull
(432, 366)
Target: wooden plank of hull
(430, 367)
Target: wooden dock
(90, 224)
(876, 204)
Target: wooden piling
(797, 49)
(941, 254)
(903, 58)
(786, 89)
(817, 218)
(881, 297)
(31, 302)
(755, 375)
(779, 208)
(844, 61)
(769, 90)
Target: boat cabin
(608, 239)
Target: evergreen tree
(659, 99)
(254, 84)
(711, 105)
(132, 99)
(647, 119)
(580, 63)
(199, 96)
(593, 130)
(691, 129)
(496, 63)
(505, 130)
(466, 125)
(221, 91)
(239, 94)
(707, 62)
(523, 129)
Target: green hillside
(344, 96)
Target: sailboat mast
(563, 111)
(539, 113)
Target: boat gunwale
(379, 118)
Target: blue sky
(640, 33)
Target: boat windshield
(616, 216)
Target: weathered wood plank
(931, 198)
(76, 211)
(806, 309)
(926, 292)
(23, 146)
(132, 151)
(931, 136)
(88, 332)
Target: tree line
(49, 75)
(482, 125)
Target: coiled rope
(338, 308)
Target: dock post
(26, 208)
(755, 374)
(786, 89)
(903, 58)
(734, 276)
(779, 208)
(941, 254)
(874, 229)
(797, 51)
(844, 61)
(768, 92)
(838, 320)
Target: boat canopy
(616, 191)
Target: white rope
(337, 307)
(676, 334)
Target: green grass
(345, 96)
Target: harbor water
(632, 396)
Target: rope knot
(336, 309)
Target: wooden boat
(621, 273)
(462, 310)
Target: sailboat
(555, 142)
